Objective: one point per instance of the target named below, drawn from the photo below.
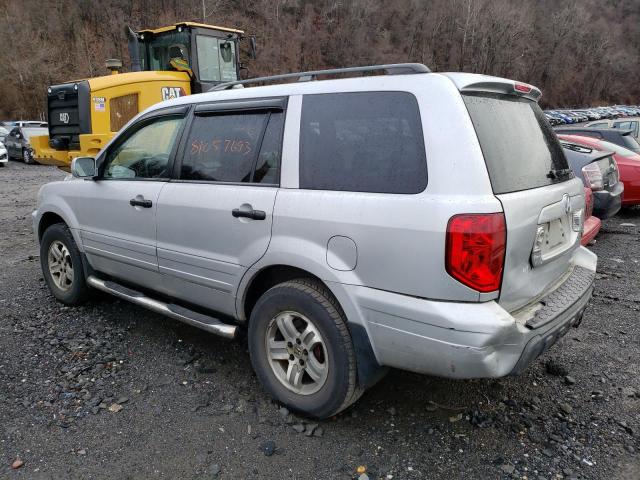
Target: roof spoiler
(474, 82)
(506, 87)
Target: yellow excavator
(166, 63)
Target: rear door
(214, 221)
(539, 193)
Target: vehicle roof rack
(390, 69)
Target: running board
(195, 319)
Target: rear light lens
(475, 248)
(593, 176)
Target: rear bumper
(591, 228)
(607, 203)
(472, 340)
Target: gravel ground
(110, 390)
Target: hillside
(577, 52)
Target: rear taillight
(588, 202)
(593, 176)
(475, 248)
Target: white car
(4, 158)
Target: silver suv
(416, 220)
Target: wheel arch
(46, 220)
(51, 213)
(266, 278)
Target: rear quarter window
(362, 142)
(520, 149)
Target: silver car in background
(17, 142)
(416, 220)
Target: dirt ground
(110, 390)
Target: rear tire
(61, 264)
(27, 156)
(301, 349)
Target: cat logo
(64, 117)
(169, 93)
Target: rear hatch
(542, 200)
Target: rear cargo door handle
(253, 214)
(137, 202)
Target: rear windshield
(631, 143)
(520, 148)
(622, 151)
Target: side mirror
(252, 47)
(84, 167)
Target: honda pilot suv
(416, 220)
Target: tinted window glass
(145, 153)
(362, 142)
(519, 146)
(268, 165)
(223, 148)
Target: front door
(214, 222)
(11, 141)
(117, 212)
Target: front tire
(61, 264)
(301, 348)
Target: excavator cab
(208, 53)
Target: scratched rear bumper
(465, 340)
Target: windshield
(519, 147)
(34, 132)
(216, 59)
(167, 46)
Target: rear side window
(362, 142)
(226, 148)
(519, 147)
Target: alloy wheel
(60, 265)
(297, 353)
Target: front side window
(168, 46)
(216, 59)
(362, 142)
(226, 148)
(145, 153)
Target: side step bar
(195, 319)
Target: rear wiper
(556, 173)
